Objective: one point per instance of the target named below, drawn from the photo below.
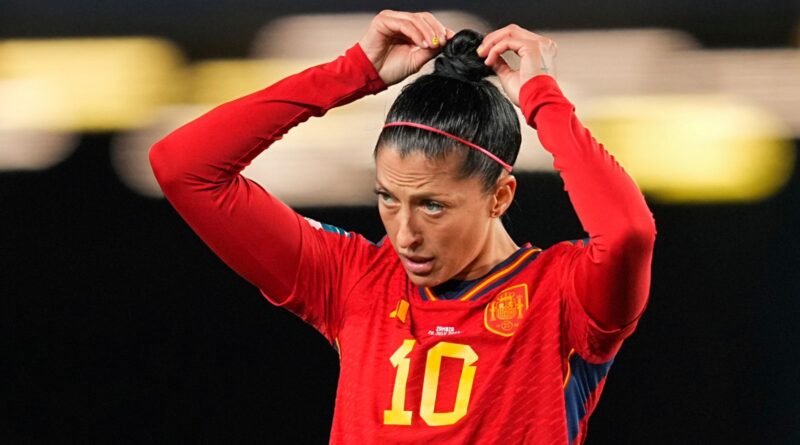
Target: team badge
(504, 313)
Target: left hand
(398, 43)
(536, 53)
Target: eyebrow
(426, 195)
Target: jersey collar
(473, 289)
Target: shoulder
(349, 244)
(556, 261)
(326, 228)
(565, 248)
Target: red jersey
(517, 356)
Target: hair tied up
(460, 60)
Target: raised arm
(198, 166)
(611, 276)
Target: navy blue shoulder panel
(584, 379)
(338, 231)
(327, 227)
(580, 242)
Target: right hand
(536, 53)
(399, 43)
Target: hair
(456, 98)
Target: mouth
(417, 265)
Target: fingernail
(425, 44)
(480, 48)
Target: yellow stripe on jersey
(430, 295)
(569, 368)
(499, 274)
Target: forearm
(219, 144)
(198, 167)
(612, 275)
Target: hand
(536, 53)
(399, 43)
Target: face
(437, 222)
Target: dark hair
(457, 99)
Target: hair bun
(459, 58)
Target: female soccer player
(447, 330)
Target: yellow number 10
(399, 416)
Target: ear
(503, 196)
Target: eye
(433, 207)
(384, 197)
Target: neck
(497, 248)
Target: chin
(429, 280)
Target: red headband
(444, 133)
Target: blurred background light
(213, 82)
(335, 151)
(34, 150)
(130, 149)
(141, 88)
(769, 78)
(614, 61)
(89, 84)
(695, 148)
(23, 146)
(325, 36)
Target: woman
(447, 330)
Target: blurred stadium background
(119, 326)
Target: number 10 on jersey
(397, 415)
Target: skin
(441, 225)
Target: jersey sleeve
(199, 165)
(330, 263)
(606, 280)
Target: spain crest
(504, 313)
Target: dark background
(120, 326)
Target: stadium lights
(616, 61)
(336, 151)
(324, 36)
(51, 90)
(130, 149)
(34, 150)
(25, 147)
(695, 148)
(213, 82)
(88, 84)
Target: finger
(510, 31)
(423, 28)
(493, 37)
(406, 28)
(438, 27)
(450, 33)
(502, 46)
(501, 68)
(427, 28)
(424, 55)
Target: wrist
(359, 57)
(539, 91)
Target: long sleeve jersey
(517, 356)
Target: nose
(408, 235)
